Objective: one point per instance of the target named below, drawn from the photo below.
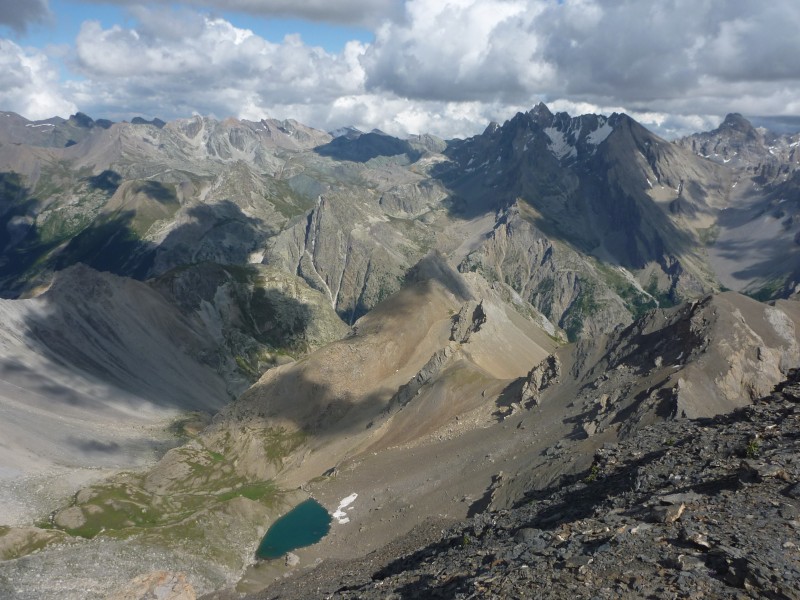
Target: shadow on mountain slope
(346, 386)
(19, 243)
(107, 181)
(114, 241)
(218, 232)
(366, 146)
(595, 199)
(109, 244)
(776, 260)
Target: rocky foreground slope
(683, 509)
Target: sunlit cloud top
(446, 68)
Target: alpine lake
(304, 525)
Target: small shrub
(594, 473)
(752, 448)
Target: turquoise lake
(306, 524)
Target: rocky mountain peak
(541, 113)
(736, 122)
(491, 128)
(142, 121)
(347, 131)
(80, 119)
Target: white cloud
(174, 64)
(460, 50)
(29, 84)
(685, 58)
(399, 116)
(443, 66)
(169, 63)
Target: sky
(446, 67)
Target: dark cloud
(18, 14)
(620, 50)
(636, 51)
(352, 12)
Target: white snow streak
(600, 134)
(339, 514)
(559, 145)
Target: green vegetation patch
(665, 300)
(584, 305)
(709, 235)
(17, 542)
(286, 201)
(279, 443)
(265, 492)
(130, 504)
(769, 291)
(636, 301)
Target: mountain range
(207, 321)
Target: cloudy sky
(405, 66)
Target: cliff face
(566, 287)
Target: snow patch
(600, 134)
(339, 513)
(559, 145)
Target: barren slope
(92, 372)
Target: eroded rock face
(739, 145)
(700, 359)
(468, 320)
(541, 377)
(342, 252)
(438, 361)
(560, 283)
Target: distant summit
(736, 122)
(156, 122)
(356, 146)
(84, 121)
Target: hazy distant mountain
(139, 199)
(753, 245)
